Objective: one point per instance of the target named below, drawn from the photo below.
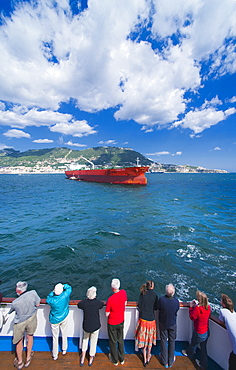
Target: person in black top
(91, 323)
(146, 328)
(168, 307)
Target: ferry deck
(218, 344)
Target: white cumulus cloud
(3, 146)
(21, 117)
(199, 120)
(18, 134)
(108, 142)
(70, 143)
(233, 99)
(43, 141)
(100, 60)
(74, 128)
(164, 152)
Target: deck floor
(43, 360)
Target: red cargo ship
(129, 175)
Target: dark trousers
(202, 340)
(116, 342)
(232, 361)
(167, 354)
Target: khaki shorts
(29, 326)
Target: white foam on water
(108, 232)
(215, 307)
(109, 254)
(182, 285)
(191, 252)
(233, 274)
(224, 257)
(114, 233)
(215, 240)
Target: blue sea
(179, 228)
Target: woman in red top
(199, 313)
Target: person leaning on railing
(146, 333)
(25, 307)
(91, 323)
(199, 313)
(228, 317)
(168, 307)
(115, 313)
(59, 300)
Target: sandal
(18, 365)
(91, 360)
(27, 364)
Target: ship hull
(127, 176)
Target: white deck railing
(218, 346)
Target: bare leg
(145, 354)
(149, 354)
(91, 358)
(19, 349)
(30, 339)
(82, 357)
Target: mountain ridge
(58, 158)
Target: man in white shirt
(228, 317)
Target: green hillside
(61, 156)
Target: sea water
(179, 228)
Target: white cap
(21, 286)
(58, 289)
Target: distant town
(43, 167)
(57, 160)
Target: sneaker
(54, 357)
(122, 362)
(198, 363)
(114, 363)
(174, 361)
(184, 352)
(63, 353)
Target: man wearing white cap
(59, 300)
(25, 307)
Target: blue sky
(157, 76)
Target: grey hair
(115, 284)
(91, 292)
(22, 286)
(170, 290)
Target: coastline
(31, 172)
(52, 172)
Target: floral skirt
(146, 333)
